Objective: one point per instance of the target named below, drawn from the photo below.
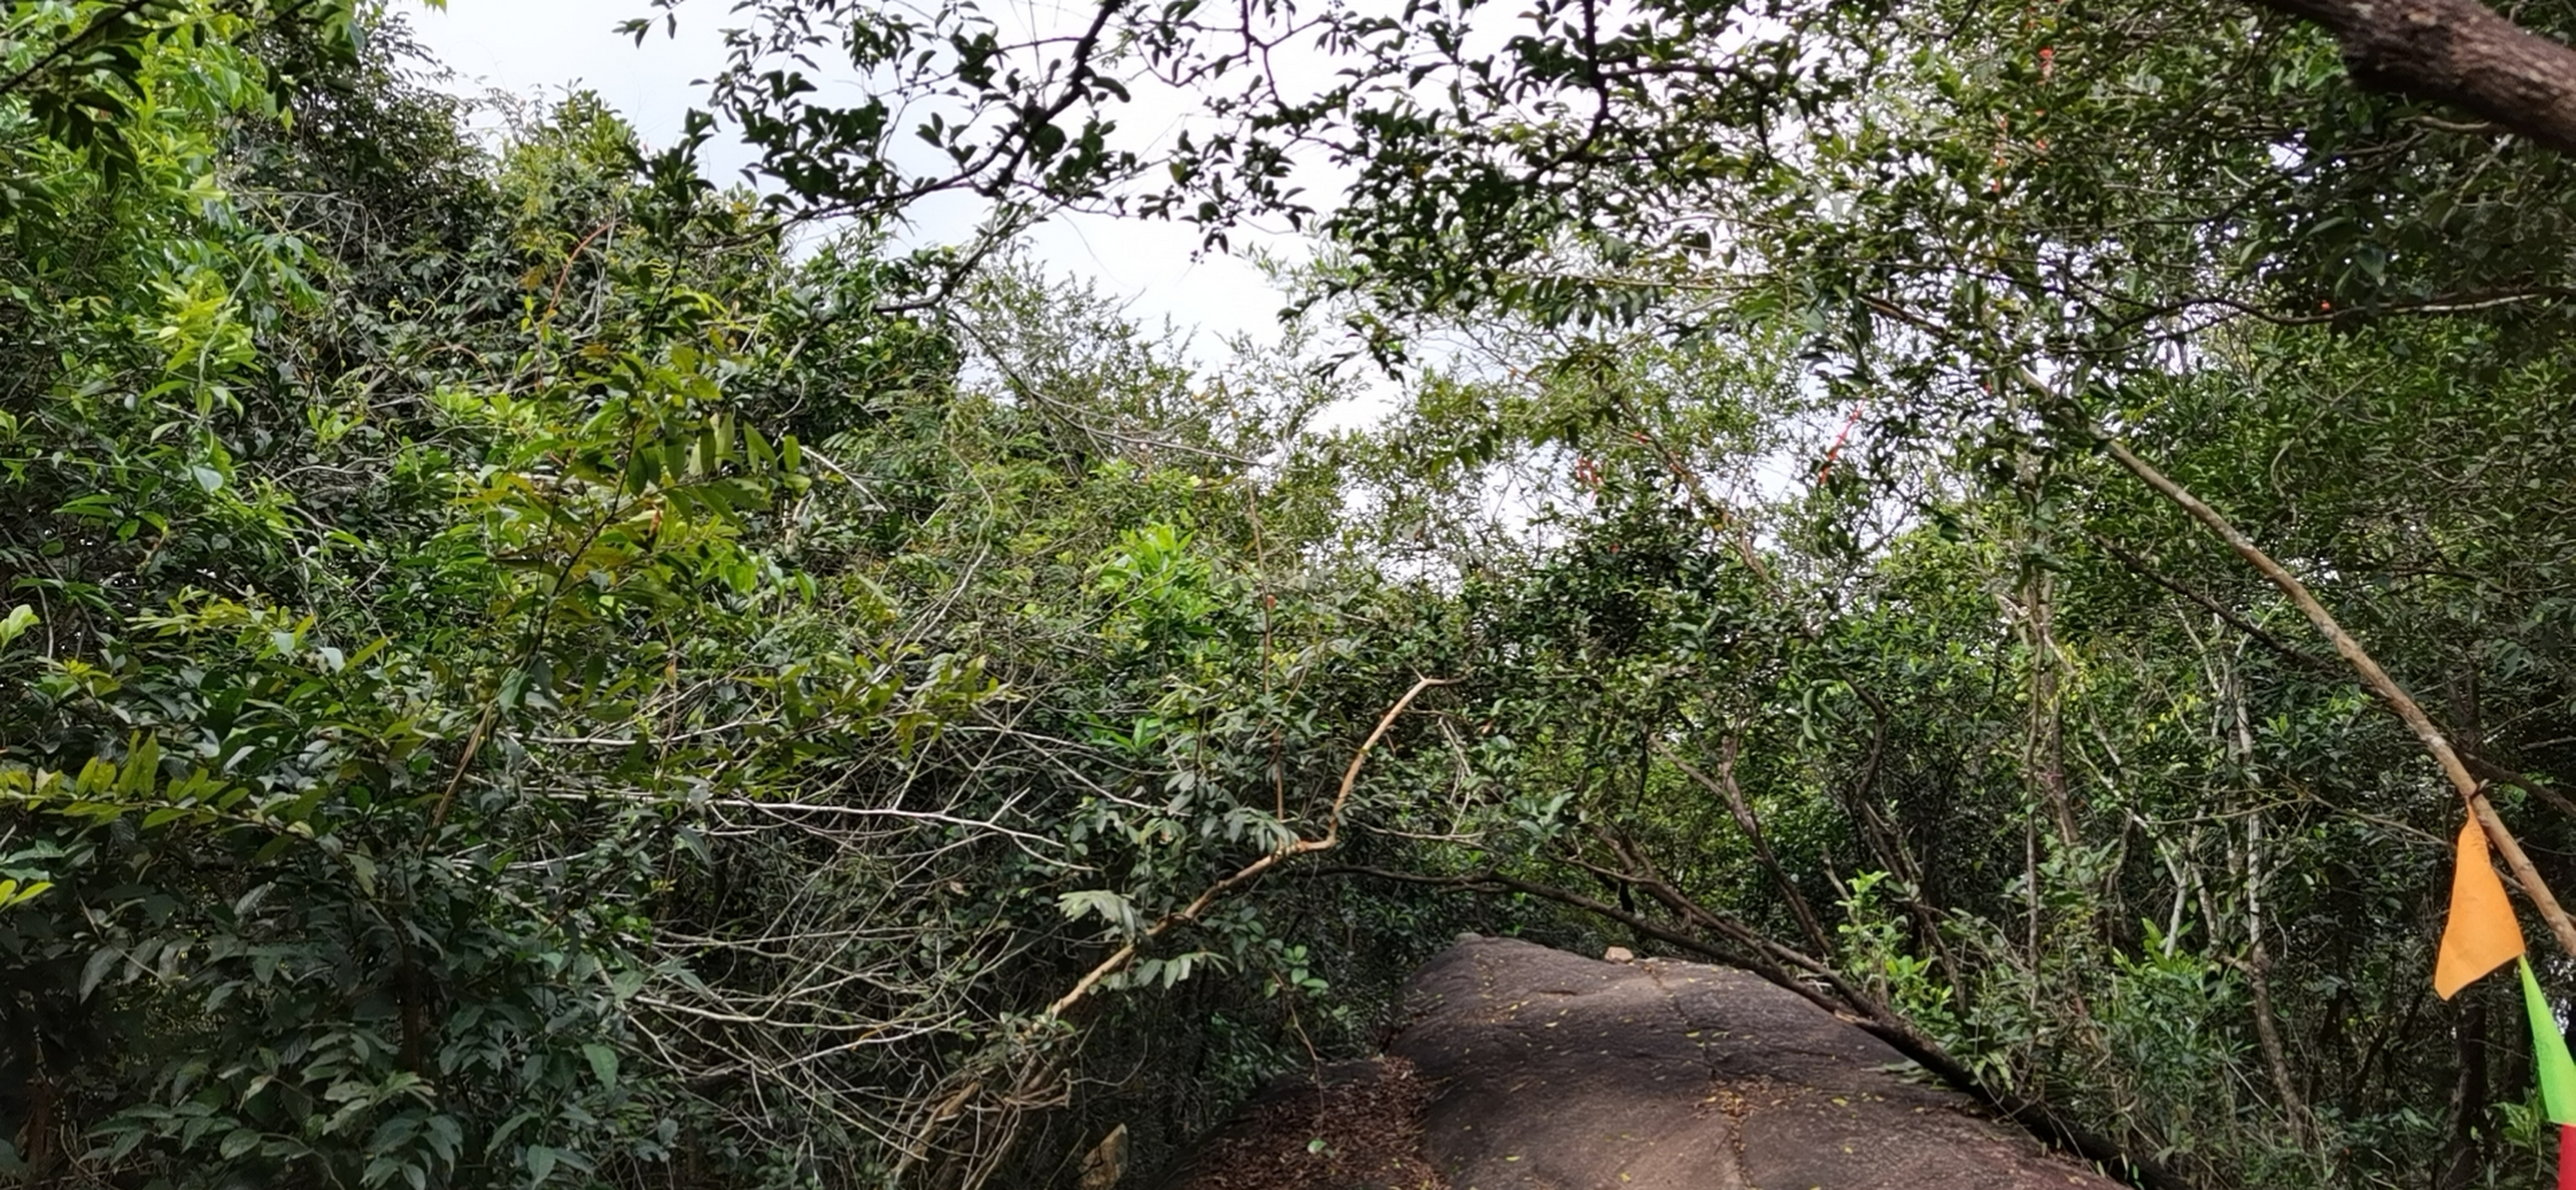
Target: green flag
(2549, 1052)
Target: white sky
(543, 47)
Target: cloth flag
(2480, 933)
(2549, 1053)
(2557, 1073)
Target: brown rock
(1106, 1162)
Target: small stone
(1619, 954)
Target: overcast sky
(542, 47)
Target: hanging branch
(2478, 765)
(2372, 676)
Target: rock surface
(1534, 1069)
(1557, 1071)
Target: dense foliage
(520, 666)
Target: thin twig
(2139, 567)
(1725, 786)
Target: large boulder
(1542, 1070)
(1554, 1070)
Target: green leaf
(501, 1135)
(16, 623)
(142, 767)
(603, 1064)
(96, 969)
(1110, 906)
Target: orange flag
(2481, 932)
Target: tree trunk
(2461, 1156)
(2258, 977)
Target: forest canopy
(524, 663)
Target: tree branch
(2455, 51)
(2372, 676)
(1118, 960)
(2138, 566)
(1737, 804)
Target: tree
(512, 679)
